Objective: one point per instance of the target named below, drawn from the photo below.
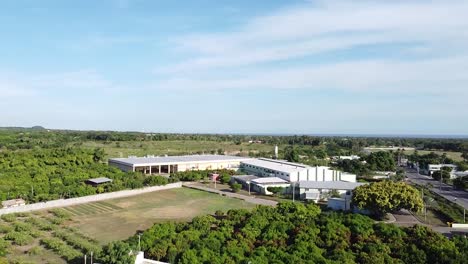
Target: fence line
(87, 199)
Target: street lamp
(248, 182)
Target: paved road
(457, 196)
(406, 219)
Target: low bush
(8, 218)
(22, 227)
(19, 238)
(5, 228)
(61, 248)
(36, 250)
(60, 213)
(78, 242)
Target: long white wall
(86, 199)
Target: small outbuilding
(98, 181)
(13, 203)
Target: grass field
(84, 228)
(121, 218)
(456, 156)
(175, 147)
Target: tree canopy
(295, 233)
(385, 197)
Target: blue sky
(365, 67)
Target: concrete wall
(463, 226)
(86, 199)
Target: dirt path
(249, 199)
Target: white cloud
(433, 34)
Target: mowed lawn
(120, 218)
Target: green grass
(175, 147)
(131, 214)
(432, 218)
(456, 156)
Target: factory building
(171, 164)
(293, 172)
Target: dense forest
(292, 233)
(47, 174)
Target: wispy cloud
(432, 38)
(27, 85)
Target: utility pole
(91, 257)
(85, 259)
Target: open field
(175, 147)
(456, 156)
(121, 218)
(83, 228)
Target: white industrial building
(293, 172)
(170, 164)
(351, 157)
(437, 167)
(260, 184)
(316, 190)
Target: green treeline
(295, 233)
(18, 138)
(47, 174)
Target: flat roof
(147, 161)
(269, 180)
(99, 180)
(245, 178)
(338, 185)
(277, 165)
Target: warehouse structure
(293, 172)
(170, 164)
(260, 184)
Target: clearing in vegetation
(64, 235)
(120, 218)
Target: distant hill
(37, 128)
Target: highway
(457, 196)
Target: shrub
(22, 214)
(56, 220)
(61, 248)
(3, 247)
(22, 227)
(19, 238)
(60, 213)
(77, 241)
(236, 187)
(41, 223)
(155, 181)
(36, 250)
(5, 228)
(8, 217)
